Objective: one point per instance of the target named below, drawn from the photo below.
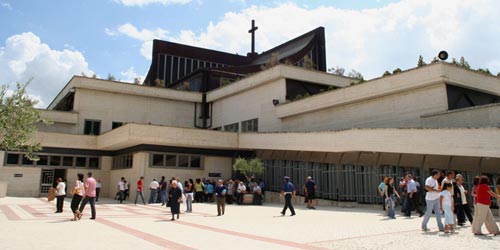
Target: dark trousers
(239, 198)
(139, 193)
(288, 204)
(221, 204)
(121, 196)
(75, 202)
(198, 197)
(462, 210)
(97, 191)
(229, 199)
(411, 204)
(90, 200)
(59, 203)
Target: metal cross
(252, 30)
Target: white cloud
(141, 3)
(146, 36)
(6, 5)
(370, 40)
(24, 57)
(130, 75)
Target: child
(446, 204)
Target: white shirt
(121, 185)
(447, 199)
(179, 184)
(411, 186)
(462, 193)
(154, 185)
(241, 188)
(446, 180)
(97, 185)
(431, 182)
(60, 189)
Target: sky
(50, 41)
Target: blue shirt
(210, 188)
(220, 190)
(411, 186)
(288, 187)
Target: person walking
(381, 191)
(153, 187)
(411, 190)
(121, 190)
(188, 191)
(163, 191)
(288, 191)
(78, 193)
(432, 200)
(175, 196)
(390, 193)
(482, 212)
(140, 184)
(310, 189)
(462, 207)
(60, 194)
(98, 187)
(446, 205)
(89, 196)
(220, 196)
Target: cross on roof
(252, 30)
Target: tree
(435, 60)
(486, 71)
(356, 75)
(421, 61)
(387, 73)
(249, 168)
(111, 77)
(18, 119)
(396, 71)
(137, 80)
(273, 61)
(337, 71)
(463, 63)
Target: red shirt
(139, 185)
(483, 196)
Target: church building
(199, 109)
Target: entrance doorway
(49, 177)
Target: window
(13, 159)
(250, 125)
(55, 160)
(68, 161)
(92, 127)
(171, 160)
(123, 161)
(26, 161)
(43, 160)
(158, 160)
(232, 127)
(195, 161)
(116, 125)
(183, 161)
(93, 162)
(81, 162)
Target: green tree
(463, 63)
(421, 61)
(337, 71)
(396, 71)
(111, 77)
(387, 73)
(249, 168)
(435, 60)
(18, 119)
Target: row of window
(170, 160)
(93, 127)
(123, 161)
(246, 126)
(19, 159)
(173, 68)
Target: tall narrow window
(92, 127)
(250, 125)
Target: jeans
(122, 196)
(152, 196)
(90, 200)
(163, 194)
(189, 202)
(390, 203)
(60, 203)
(139, 193)
(288, 204)
(432, 205)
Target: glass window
(232, 127)
(182, 67)
(92, 127)
(168, 70)
(195, 161)
(43, 160)
(183, 161)
(55, 160)
(93, 162)
(13, 159)
(116, 125)
(171, 160)
(157, 159)
(68, 161)
(81, 162)
(250, 126)
(26, 161)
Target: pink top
(90, 187)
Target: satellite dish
(443, 55)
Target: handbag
(75, 190)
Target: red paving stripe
(32, 211)
(252, 236)
(364, 236)
(9, 213)
(145, 236)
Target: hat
(286, 177)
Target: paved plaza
(30, 223)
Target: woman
(390, 192)
(483, 213)
(498, 192)
(78, 192)
(188, 190)
(462, 208)
(198, 188)
(60, 194)
(175, 195)
(475, 183)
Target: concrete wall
(400, 110)
(250, 104)
(109, 107)
(482, 116)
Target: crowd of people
(444, 195)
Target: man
(450, 178)
(381, 191)
(89, 185)
(288, 191)
(412, 196)
(60, 194)
(310, 192)
(98, 186)
(257, 194)
(432, 200)
(121, 189)
(139, 191)
(220, 193)
(153, 187)
(163, 190)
